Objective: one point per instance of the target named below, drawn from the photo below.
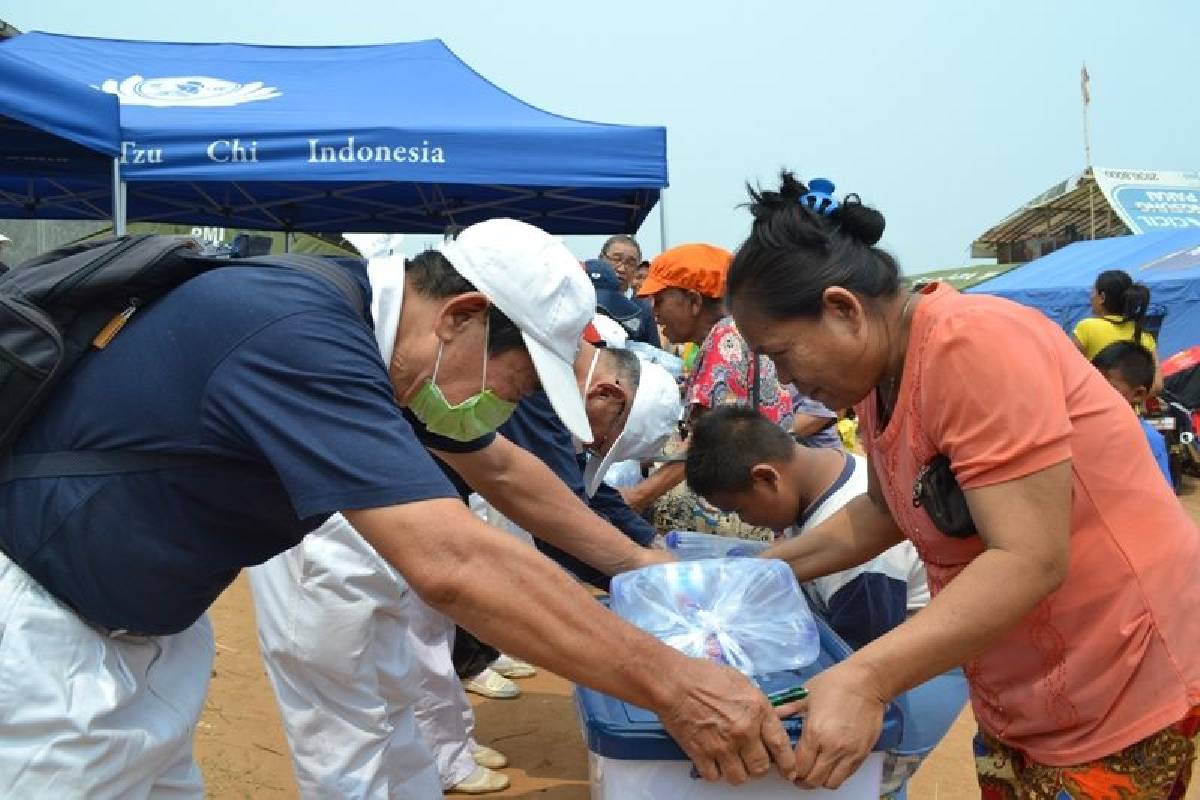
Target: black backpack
(58, 307)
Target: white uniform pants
(352, 652)
(86, 714)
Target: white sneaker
(481, 781)
(487, 757)
(511, 667)
(492, 684)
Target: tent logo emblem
(196, 91)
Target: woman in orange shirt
(1070, 594)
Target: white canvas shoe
(492, 684)
(481, 781)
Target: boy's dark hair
(1133, 363)
(434, 276)
(726, 443)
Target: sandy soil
(243, 753)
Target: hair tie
(819, 199)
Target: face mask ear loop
(437, 362)
(487, 337)
(587, 382)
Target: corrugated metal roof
(1065, 211)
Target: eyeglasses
(628, 261)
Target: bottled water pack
(690, 545)
(748, 613)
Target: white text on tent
(224, 150)
(132, 154)
(351, 153)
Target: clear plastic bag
(748, 613)
(671, 363)
(691, 546)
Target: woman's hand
(843, 715)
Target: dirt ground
(243, 753)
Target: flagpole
(1085, 88)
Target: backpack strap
(81, 463)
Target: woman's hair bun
(808, 215)
(804, 241)
(765, 203)
(861, 222)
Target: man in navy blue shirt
(343, 586)
(271, 374)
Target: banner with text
(1152, 200)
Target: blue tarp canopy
(397, 138)
(1060, 284)
(58, 138)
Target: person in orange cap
(686, 286)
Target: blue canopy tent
(396, 138)
(1059, 284)
(59, 142)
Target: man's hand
(726, 726)
(842, 719)
(654, 555)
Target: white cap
(612, 332)
(4, 239)
(652, 419)
(534, 279)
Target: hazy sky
(944, 115)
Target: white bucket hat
(536, 282)
(610, 331)
(652, 419)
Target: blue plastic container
(633, 758)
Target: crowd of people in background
(966, 500)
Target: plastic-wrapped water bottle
(690, 545)
(671, 363)
(748, 613)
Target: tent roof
(1168, 262)
(47, 117)
(54, 131)
(962, 277)
(395, 137)
(1150, 258)
(1063, 210)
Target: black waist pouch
(937, 491)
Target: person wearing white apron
(349, 720)
(272, 378)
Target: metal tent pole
(663, 239)
(118, 199)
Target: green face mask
(474, 417)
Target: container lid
(616, 729)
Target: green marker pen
(787, 695)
